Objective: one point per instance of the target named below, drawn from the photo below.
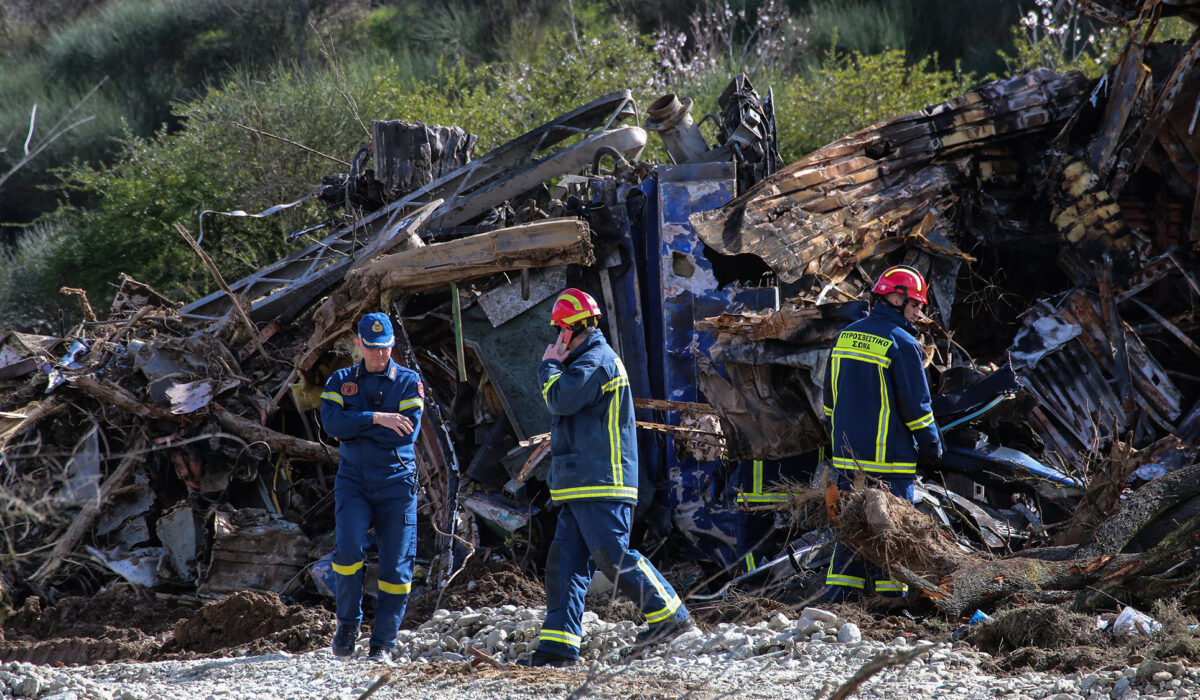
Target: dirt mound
(482, 584)
(739, 609)
(119, 623)
(251, 622)
(130, 623)
(614, 608)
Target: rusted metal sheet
(1074, 374)
(771, 404)
(253, 550)
(408, 157)
(882, 181)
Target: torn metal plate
(68, 361)
(190, 397)
(177, 531)
(139, 566)
(496, 513)
(1039, 337)
(83, 471)
(506, 302)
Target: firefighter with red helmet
(878, 411)
(593, 479)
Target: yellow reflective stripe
(885, 409)
(832, 579)
(334, 397)
(890, 585)
(615, 383)
(921, 422)
(833, 378)
(614, 426)
(750, 562)
(347, 569)
(594, 492)
(576, 317)
(883, 467)
(664, 614)
(758, 486)
(863, 357)
(763, 497)
(394, 588)
(411, 403)
(828, 411)
(546, 387)
(673, 602)
(560, 636)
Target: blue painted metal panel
(702, 502)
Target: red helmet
(903, 279)
(572, 306)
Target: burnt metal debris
(1059, 219)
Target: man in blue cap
(374, 408)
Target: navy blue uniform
(876, 401)
(376, 483)
(593, 475)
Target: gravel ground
(808, 656)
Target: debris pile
(179, 447)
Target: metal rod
(456, 305)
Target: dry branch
(295, 447)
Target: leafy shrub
(212, 164)
(28, 289)
(851, 91)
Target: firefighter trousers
(391, 506)
(847, 576)
(593, 535)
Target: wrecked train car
(164, 443)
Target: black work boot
(542, 659)
(344, 639)
(663, 632)
(382, 655)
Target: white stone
(779, 621)
(849, 633)
(807, 627)
(823, 616)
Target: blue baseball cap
(375, 331)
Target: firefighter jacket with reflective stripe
(592, 442)
(351, 395)
(877, 398)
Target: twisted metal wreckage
(1058, 218)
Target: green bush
(29, 295)
(500, 101)
(212, 164)
(852, 91)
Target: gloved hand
(928, 461)
(929, 456)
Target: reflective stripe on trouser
(392, 507)
(846, 572)
(591, 535)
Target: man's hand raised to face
(559, 349)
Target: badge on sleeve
(349, 389)
(420, 389)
